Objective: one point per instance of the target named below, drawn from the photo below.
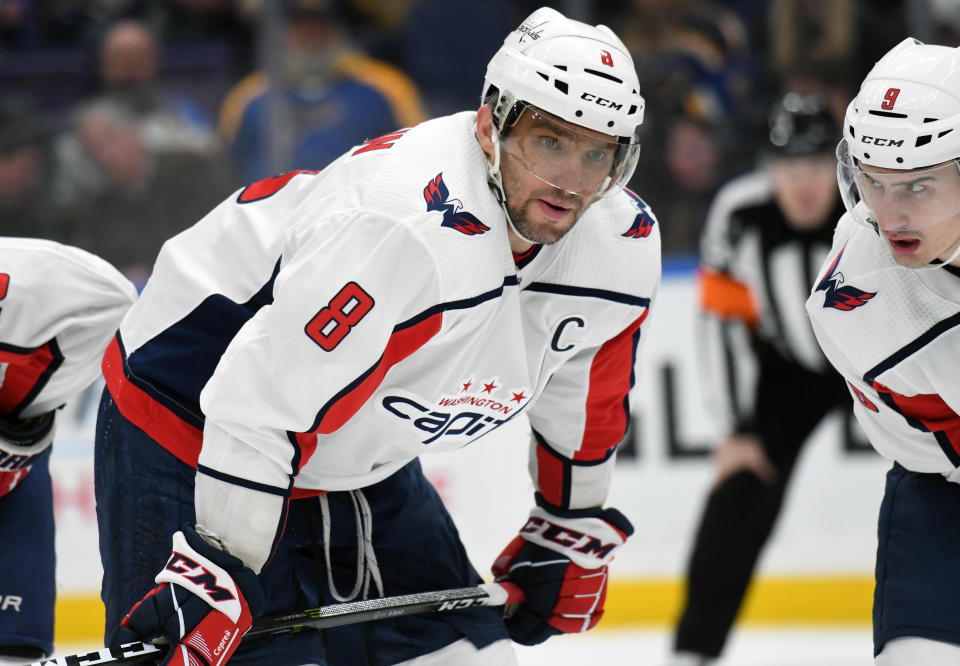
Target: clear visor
(569, 157)
(898, 200)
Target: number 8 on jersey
(332, 323)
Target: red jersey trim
(164, 427)
(25, 373)
(611, 377)
(930, 413)
(402, 343)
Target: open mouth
(903, 244)
(553, 210)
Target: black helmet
(802, 125)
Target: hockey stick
(440, 601)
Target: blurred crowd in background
(123, 121)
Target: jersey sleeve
(581, 417)
(344, 311)
(727, 319)
(59, 308)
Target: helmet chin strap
(496, 180)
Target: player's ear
(484, 130)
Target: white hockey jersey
(59, 307)
(318, 331)
(894, 334)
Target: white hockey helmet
(905, 117)
(907, 109)
(574, 72)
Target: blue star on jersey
(841, 297)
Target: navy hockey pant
(28, 562)
(918, 559)
(144, 494)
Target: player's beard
(535, 226)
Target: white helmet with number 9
(580, 77)
(906, 118)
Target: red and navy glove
(204, 604)
(21, 442)
(560, 560)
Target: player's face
(905, 202)
(551, 172)
(805, 188)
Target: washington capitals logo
(643, 222)
(436, 195)
(842, 298)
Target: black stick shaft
(441, 601)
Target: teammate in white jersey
(59, 306)
(295, 352)
(886, 311)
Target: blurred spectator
(813, 48)
(445, 47)
(936, 21)
(697, 76)
(60, 24)
(127, 68)
(13, 23)
(388, 15)
(120, 197)
(687, 47)
(323, 94)
(826, 47)
(692, 150)
(25, 174)
(813, 35)
(225, 24)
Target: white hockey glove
(21, 441)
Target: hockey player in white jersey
(886, 311)
(59, 307)
(295, 352)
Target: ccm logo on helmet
(601, 101)
(880, 141)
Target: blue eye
(597, 155)
(549, 142)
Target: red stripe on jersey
(308, 446)
(401, 344)
(380, 143)
(162, 425)
(303, 493)
(610, 374)
(930, 410)
(550, 476)
(23, 372)
(4, 283)
(267, 187)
